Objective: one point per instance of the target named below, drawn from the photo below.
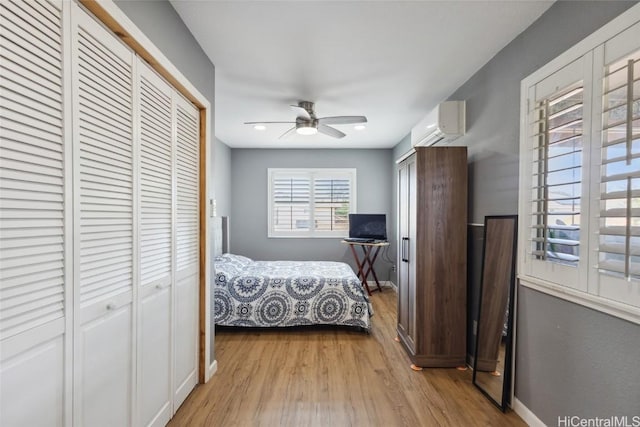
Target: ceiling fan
(308, 124)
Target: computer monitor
(368, 226)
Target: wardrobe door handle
(405, 256)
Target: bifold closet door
(34, 233)
(104, 225)
(187, 249)
(156, 171)
(99, 226)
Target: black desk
(365, 267)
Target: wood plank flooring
(324, 376)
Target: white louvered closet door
(155, 135)
(187, 249)
(34, 237)
(104, 225)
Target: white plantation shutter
(291, 208)
(32, 169)
(187, 180)
(557, 132)
(331, 197)
(105, 167)
(619, 246)
(616, 205)
(156, 160)
(310, 202)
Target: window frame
(312, 174)
(585, 288)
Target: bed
(252, 293)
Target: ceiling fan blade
(301, 112)
(328, 130)
(263, 123)
(342, 120)
(287, 133)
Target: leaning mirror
(493, 352)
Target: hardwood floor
(332, 377)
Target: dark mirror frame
(506, 385)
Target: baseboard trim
(526, 414)
(213, 368)
(386, 284)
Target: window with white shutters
(32, 168)
(310, 202)
(580, 174)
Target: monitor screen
(368, 226)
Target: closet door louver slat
(187, 185)
(109, 209)
(155, 181)
(31, 187)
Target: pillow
(239, 260)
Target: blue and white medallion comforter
(287, 293)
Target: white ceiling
(392, 61)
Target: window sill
(270, 236)
(615, 309)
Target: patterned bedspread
(287, 293)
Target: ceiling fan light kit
(308, 124)
(307, 128)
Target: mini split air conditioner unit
(444, 124)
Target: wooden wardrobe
(432, 256)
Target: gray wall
(401, 148)
(575, 361)
(570, 360)
(162, 25)
(222, 178)
(249, 202)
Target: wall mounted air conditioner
(444, 124)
